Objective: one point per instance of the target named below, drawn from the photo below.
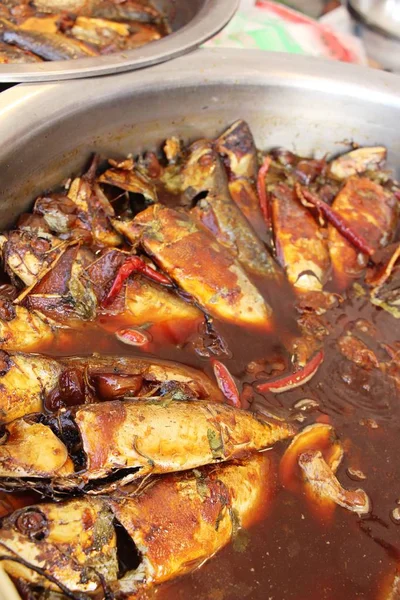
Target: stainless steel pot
(192, 21)
(48, 131)
(378, 23)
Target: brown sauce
(293, 552)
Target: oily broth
(294, 552)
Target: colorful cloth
(273, 27)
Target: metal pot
(378, 23)
(311, 106)
(192, 21)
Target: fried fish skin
(94, 209)
(144, 436)
(238, 151)
(151, 370)
(41, 24)
(27, 255)
(204, 173)
(131, 180)
(139, 302)
(194, 515)
(33, 450)
(357, 161)
(372, 213)
(99, 31)
(70, 540)
(49, 46)
(25, 379)
(25, 330)
(237, 148)
(200, 266)
(176, 522)
(69, 295)
(145, 301)
(301, 247)
(130, 10)
(11, 54)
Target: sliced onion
(319, 436)
(326, 487)
(306, 404)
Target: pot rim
(363, 19)
(37, 104)
(211, 18)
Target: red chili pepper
(289, 382)
(226, 383)
(133, 264)
(262, 192)
(337, 221)
(133, 336)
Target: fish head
(203, 172)
(74, 541)
(236, 146)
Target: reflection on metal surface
(192, 23)
(307, 105)
(378, 23)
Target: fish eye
(33, 523)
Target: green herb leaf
(216, 444)
(163, 401)
(358, 290)
(240, 537)
(82, 294)
(241, 540)
(201, 485)
(181, 395)
(221, 515)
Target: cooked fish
(33, 383)
(203, 175)
(301, 246)
(76, 543)
(24, 330)
(239, 155)
(372, 212)
(130, 439)
(357, 161)
(49, 46)
(11, 54)
(201, 266)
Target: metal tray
(48, 131)
(193, 22)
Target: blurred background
(364, 32)
(359, 31)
